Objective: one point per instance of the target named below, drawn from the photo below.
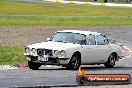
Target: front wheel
(74, 63)
(33, 66)
(111, 61)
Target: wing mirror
(48, 39)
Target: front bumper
(51, 60)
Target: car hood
(53, 45)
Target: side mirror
(48, 39)
(108, 40)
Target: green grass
(13, 13)
(12, 55)
(66, 21)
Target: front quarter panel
(71, 51)
(69, 54)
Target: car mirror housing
(48, 39)
(108, 40)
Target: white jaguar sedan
(72, 48)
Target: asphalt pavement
(55, 75)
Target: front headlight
(62, 53)
(27, 50)
(57, 53)
(33, 52)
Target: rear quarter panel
(117, 49)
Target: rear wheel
(33, 66)
(74, 63)
(111, 61)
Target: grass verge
(14, 13)
(12, 56)
(65, 20)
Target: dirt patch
(22, 36)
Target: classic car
(72, 48)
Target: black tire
(82, 80)
(33, 66)
(74, 63)
(111, 61)
(63, 65)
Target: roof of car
(80, 32)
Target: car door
(97, 51)
(88, 55)
(103, 49)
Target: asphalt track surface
(57, 75)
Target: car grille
(33, 58)
(44, 52)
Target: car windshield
(67, 37)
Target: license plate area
(43, 58)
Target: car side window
(101, 40)
(81, 39)
(92, 40)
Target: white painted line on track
(90, 3)
(6, 67)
